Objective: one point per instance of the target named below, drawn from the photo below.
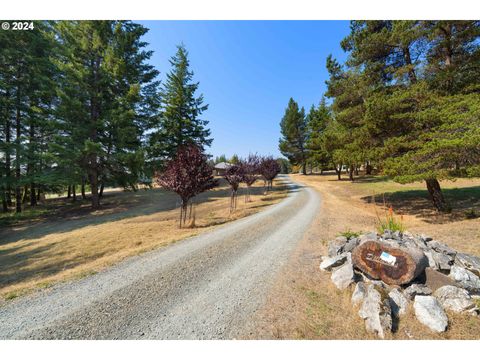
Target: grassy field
(60, 240)
(305, 304)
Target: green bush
(349, 234)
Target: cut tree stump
(408, 263)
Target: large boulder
(376, 312)
(343, 276)
(416, 289)
(359, 293)
(454, 298)
(465, 279)
(398, 302)
(430, 313)
(469, 262)
(328, 263)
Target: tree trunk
(102, 186)
(31, 162)
(350, 172)
(408, 60)
(74, 193)
(338, 170)
(182, 209)
(8, 159)
(368, 168)
(4, 201)
(69, 192)
(409, 262)
(304, 168)
(436, 195)
(25, 194)
(33, 197)
(18, 189)
(94, 189)
(83, 188)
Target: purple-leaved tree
(269, 169)
(251, 167)
(187, 174)
(234, 176)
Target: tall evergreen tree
(419, 98)
(107, 100)
(294, 130)
(180, 122)
(318, 119)
(27, 76)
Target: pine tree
(27, 77)
(420, 98)
(294, 130)
(107, 99)
(180, 122)
(318, 119)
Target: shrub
(350, 234)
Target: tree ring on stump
(409, 263)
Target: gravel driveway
(205, 287)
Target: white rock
(398, 302)
(431, 260)
(430, 313)
(330, 262)
(343, 276)
(335, 247)
(465, 278)
(376, 312)
(454, 298)
(469, 262)
(359, 293)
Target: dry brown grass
(304, 304)
(76, 242)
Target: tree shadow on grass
(418, 203)
(369, 179)
(116, 206)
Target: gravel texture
(205, 287)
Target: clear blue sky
(247, 72)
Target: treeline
(405, 102)
(81, 108)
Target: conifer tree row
(82, 108)
(407, 101)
